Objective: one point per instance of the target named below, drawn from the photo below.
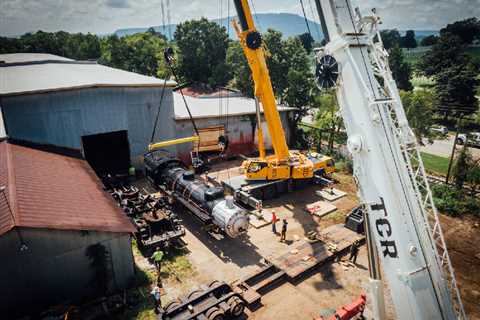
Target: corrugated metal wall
(62, 118)
(3, 133)
(239, 130)
(55, 268)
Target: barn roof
(45, 190)
(215, 106)
(24, 73)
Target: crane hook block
(254, 40)
(168, 54)
(326, 72)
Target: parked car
(472, 139)
(439, 129)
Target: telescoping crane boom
(284, 164)
(402, 221)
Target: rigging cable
(306, 20)
(163, 16)
(168, 53)
(158, 111)
(257, 19)
(314, 20)
(169, 21)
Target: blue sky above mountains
(105, 16)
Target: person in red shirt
(274, 222)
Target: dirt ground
(333, 285)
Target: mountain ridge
(288, 23)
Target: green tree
(461, 167)
(448, 51)
(203, 48)
(238, 65)
(390, 38)
(473, 176)
(300, 89)
(401, 70)
(326, 118)
(140, 52)
(467, 30)
(277, 61)
(409, 41)
(429, 41)
(456, 88)
(419, 107)
(307, 41)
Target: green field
(435, 164)
(413, 58)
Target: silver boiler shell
(232, 219)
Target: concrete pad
(320, 208)
(330, 194)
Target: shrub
(454, 202)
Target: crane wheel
(215, 314)
(237, 306)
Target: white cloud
(105, 16)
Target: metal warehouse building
(224, 111)
(105, 113)
(56, 222)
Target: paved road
(443, 148)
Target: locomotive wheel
(215, 314)
(172, 305)
(236, 306)
(195, 294)
(214, 283)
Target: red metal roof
(198, 91)
(46, 190)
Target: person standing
(284, 230)
(354, 252)
(157, 257)
(274, 222)
(157, 299)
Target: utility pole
(453, 149)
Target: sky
(106, 16)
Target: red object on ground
(350, 310)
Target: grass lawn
(435, 164)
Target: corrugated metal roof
(214, 107)
(38, 75)
(46, 190)
(30, 57)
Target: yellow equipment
(163, 144)
(284, 164)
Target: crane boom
(251, 42)
(403, 220)
(284, 164)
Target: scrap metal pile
(152, 214)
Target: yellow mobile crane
(284, 163)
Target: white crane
(402, 221)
